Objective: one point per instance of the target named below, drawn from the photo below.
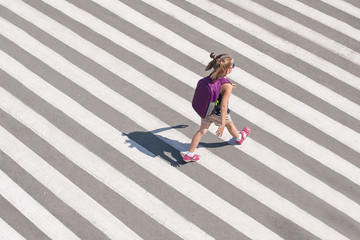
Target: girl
(222, 65)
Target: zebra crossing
(95, 102)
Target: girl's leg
(198, 135)
(236, 134)
(232, 129)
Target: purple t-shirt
(218, 102)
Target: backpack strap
(224, 80)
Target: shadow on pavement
(167, 149)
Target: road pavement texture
(95, 116)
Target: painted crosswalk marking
(125, 71)
(300, 30)
(63, 188)
(323, 18)
(43, 219)
(312, 224)
(344, 6)
(7, 232)
(114, 100)
(215, 166)
(104, 172)
(277, 128)
(281, 44)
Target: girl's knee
(203, 128)
(202, 131)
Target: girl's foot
(195, 158)
(244, 134)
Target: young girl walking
(222, 65)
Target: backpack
(205, 96)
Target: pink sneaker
(195, 158)
(244, 134)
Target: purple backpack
(205, 96)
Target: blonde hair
(220, 64)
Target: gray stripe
(302, 127)
(294, 38)
(184, 90)
(268, 77)
(138, 221)
(119, 121)
(81, 227)
(108, 46)
(15, 218)
(307, 98)
(197, 215)
(150, 183)
(271, 109)
(84, 63)
(305, 162)
(183, 205)
(287, 189)
(312, 24)
(334, 12)
(159, 148)
(296, 64)
(141, 36)
(353, 2)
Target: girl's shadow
(159, 145)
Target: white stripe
(278, 97)
(112, 136)
(100, 128)
(322, 18)
(298, 176)
(57, 62)
(309, 147)
(100, 169)
(126, 67)
(344, 6)
(178, 104)
(32, 210)
(145, 119)
(277, 42)
(7, 232)
(299, 29)
(63, 188)
(319, 120)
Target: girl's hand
(220, 130)
(234, 85)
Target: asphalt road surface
(95, 117)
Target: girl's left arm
(223, 108)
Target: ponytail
(220, 64)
